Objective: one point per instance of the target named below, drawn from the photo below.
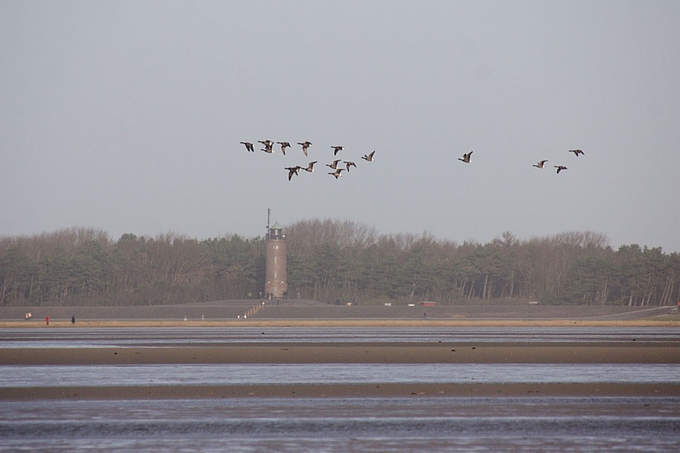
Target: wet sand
(347, 353)
(342, 391)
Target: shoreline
(38, 324)
(498, 352)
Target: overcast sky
(126, 116)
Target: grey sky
(127, 116)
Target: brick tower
(276, 283)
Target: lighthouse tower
(276, 280)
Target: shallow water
(325, 373)
(422, 424)
(344, 424)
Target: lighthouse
(276, 283)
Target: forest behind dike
(333, 261)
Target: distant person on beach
(73, 319)
(47, 320)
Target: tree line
(331, 260)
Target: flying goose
(368, 157)
(293, 171)
(349, 164)
(310, 167)
(540, 163)
(334, 165)
(305, 145)
(284, 145)
(267, 146)
(336, 149)
(249, 146)
(560, 168)
(336, 173)
(466, 157)
(576, 152)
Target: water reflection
(344, 424)
(245, 374)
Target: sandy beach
(346, 353)
(109, 319)
(66, 323)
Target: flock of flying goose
(541, 163)
(338, 168)
(335, 165)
